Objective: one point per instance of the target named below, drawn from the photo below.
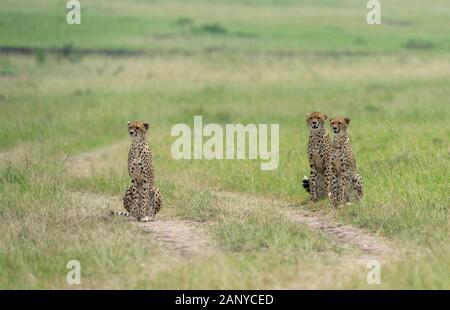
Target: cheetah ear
(347, 120)
(325, 117)
(308, 115)
(129, 122)
(146, 126)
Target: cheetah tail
(120, 213)
(305, 184)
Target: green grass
(307, 26)
(231, 62)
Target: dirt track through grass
(188, 238)
(366, 243)
(368, 246)
(185, 237)
(179, 237)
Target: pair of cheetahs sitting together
(333, 168)
(332, 163)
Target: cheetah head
(339, 124)
(137, 130)
(315, 120)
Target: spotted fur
(142, 199)
(319, 148)
(345, 183)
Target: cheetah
(319, 148)
(345, 180)
(142, 199)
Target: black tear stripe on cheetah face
(142, 199)
(346, 183)
(319, 149)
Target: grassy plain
(231, 62)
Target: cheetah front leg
(313, 184)
(157, 200)
(322, 188)
(338, 184)
(358, 186)
(135, 199)
(334, 191)
(342, 191)
(148, 211)
(328, 178)
(128, 199)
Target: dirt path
(84, 164)
(369, 247)
(179, 237)
(183, 238)
(367, 244)
(18, 154)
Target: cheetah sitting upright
(319, 148)
(142, 199)
(345, 181)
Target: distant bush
(40, 57)
(184, 21)
(418, 44)
(212, 29)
